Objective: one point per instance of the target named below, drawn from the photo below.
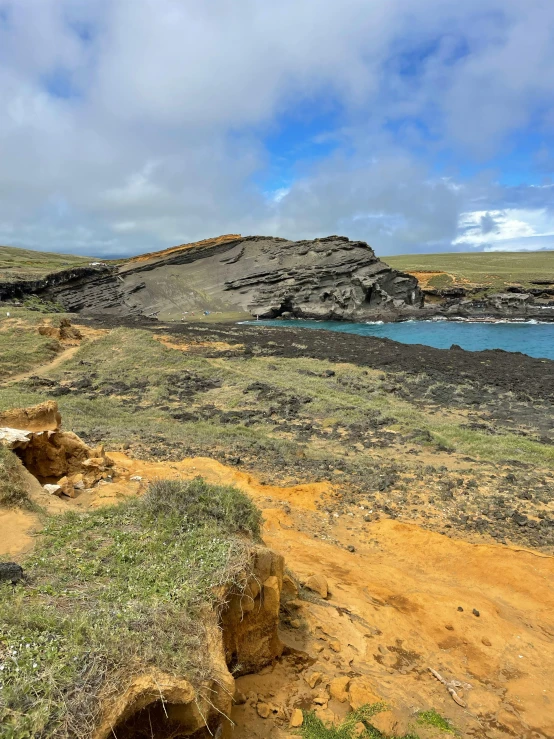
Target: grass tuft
(314, 728)
(195, 501)
(433, 718)
(114, 592)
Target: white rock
(52, 489)
(13, 437)
(136, 478)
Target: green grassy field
(486, 269)
(25, 264)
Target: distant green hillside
(24, 264)
(488, 270)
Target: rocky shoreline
(327, 279)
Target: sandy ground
(405, 600)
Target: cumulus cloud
(129, 125)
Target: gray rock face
(328, 278)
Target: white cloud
(146, 118)
(510, 229)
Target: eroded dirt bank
(403, 601)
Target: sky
(415, 125)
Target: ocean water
(534, 339)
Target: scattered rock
(318, 584)
(53, 489)
(263, 710)
(338, 688)
(297, 718)
(486, 642)
(335, 645)
(10, 572)
(361, 692)
(476, 612)
(313, 679)
(289, 588)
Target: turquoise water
(534, 339)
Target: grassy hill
(25, 264)
(491, 271)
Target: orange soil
(181, 247)
(392, 614)
(16, 529)
(216, 346)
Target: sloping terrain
(26, 264)
(238, 277)
(486, 270)
(410, 491)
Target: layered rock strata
(331, 278)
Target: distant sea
(534, 339)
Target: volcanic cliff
(327, 278)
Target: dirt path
(16, 533)
(41, 369)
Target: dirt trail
(394, 611)
(42, 368)
(67, 353)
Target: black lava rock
(10, 572)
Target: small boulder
(272, 594)
(263, 710)
(296, 718)
(290, 588)
(10, 572)
(66, 487)
(318, 584)
(313, 679)
(338, 688)
(361, 692)
(53, 489)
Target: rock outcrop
(60, 459)
(328, 278)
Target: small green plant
(433, 718)
(314, 728)
(43, 306)
(13, 491)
